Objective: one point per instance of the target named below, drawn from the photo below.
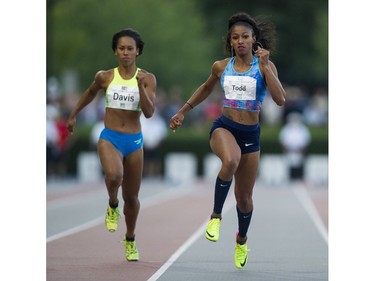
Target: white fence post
(180, 167)
(211, 167)
(88, 168)
(316, 169)
(273, 169)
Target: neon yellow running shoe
(131, 253)
(111, 218)
(240, 255)
(213, 229)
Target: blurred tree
(176, 49)
(183, 38)
(301, 53)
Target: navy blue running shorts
(247, 136)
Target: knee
(231, 164)
(131, 202)
(245, 204)
(113, 179)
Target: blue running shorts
(125, 143)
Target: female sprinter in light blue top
(129, 92)
(245, 78)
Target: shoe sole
(111, 229)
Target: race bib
(240, 87)
(123, 97)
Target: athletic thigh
(133, 168)
(110, 158)
(224, 145)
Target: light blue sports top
(243, 91)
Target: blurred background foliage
(182, 40)
(177, 45)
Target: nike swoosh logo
(223, 185)
(248, 144)
(209, 234)
(138, 141)
(246, 217)
(244, 262)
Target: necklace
(252, 61)
(244, 68)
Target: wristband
(189, 105)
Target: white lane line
(145, 203)
(178, 253)
(310, 208)
(76, 229)
(197, 234)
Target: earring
(255, 46)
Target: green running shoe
(240, 255)
(131, 253)
(213, 229)
(111, 218)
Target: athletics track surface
(288, 235)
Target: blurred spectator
(154, 131)
(51, 139)
(296, 100)
(97, 128)
(212, 108)
(56, 142)
(295, 138)
(174, 103)
(62, 144)
(53, 89)
(316, 112)
(271, 114)
(211, 111)
(95, 132)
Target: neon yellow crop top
(123, 94)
